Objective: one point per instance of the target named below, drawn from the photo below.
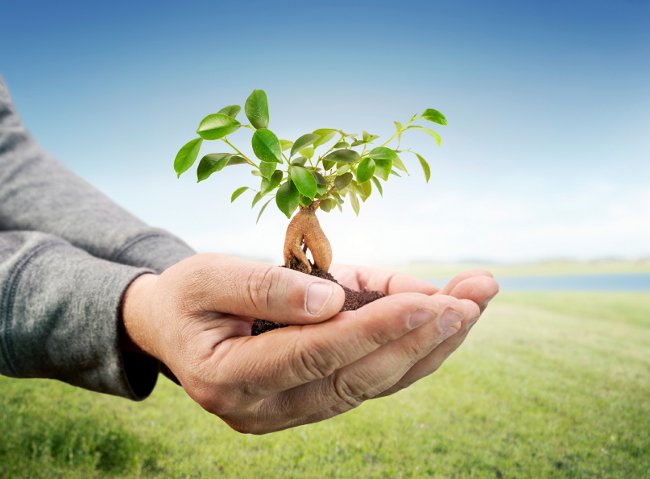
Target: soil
(353, 300)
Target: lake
(570, 282)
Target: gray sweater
(67, 254)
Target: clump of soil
(353, 300)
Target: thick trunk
(304, 233)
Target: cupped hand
(478, 286)
(196, 317)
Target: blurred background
(545, 155)
(543, 176)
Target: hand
(196, 316)
(477, 285)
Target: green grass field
(547, 385)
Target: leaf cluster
(320, 169)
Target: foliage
(296, 173)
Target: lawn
(547, 385)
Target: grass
(548, 385)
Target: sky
(546, 154)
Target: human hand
(478, 286)
(196, 317)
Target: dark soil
(353, 300)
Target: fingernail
(448, 319)
(453, 329)
(318, 294)
(419, 317)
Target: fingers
(247, 288)
(462, 277)
(350, 385)
(289, 357)
(480, 290)
(385, 281)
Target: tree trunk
(304, 233)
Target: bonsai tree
(317, 171)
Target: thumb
(247, 288)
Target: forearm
(39, 194)
(60, 317)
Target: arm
(60, 317)
(84, 217)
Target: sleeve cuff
(60, 319)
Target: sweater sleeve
(60, 316)
(33, 185)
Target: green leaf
(269, 184)
(266, 145)
(342, 156)
(267, 168)
(231, 110)
(398, 130)
(213, 162)
(300, 161)
(262, 210)
(287, 198)
(434, 116)
(428, 131)
(358, 142)
(303, 142)
(238, 192)
(399, 164)
(326, 134)
(257, 109)
(320, 179)
(382, 153)
(378, 185)
(327, 164)
(354, 201)
(365, 170)
(425, 167)
(327, 204)
(285, 144)
(304, 181)
(305, 200)
(367, 137)
(384, 169)
(186, 156)
(342, 181)
(384, 158)
(342, 144)
(364, 189)
(216, 126)
(308, 152)
(258, 196)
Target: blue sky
(547, 152)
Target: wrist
(139, 332)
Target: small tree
(299, 176)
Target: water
(574, 282)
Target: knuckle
(259, 287)
(312, 363)
(350, 393)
